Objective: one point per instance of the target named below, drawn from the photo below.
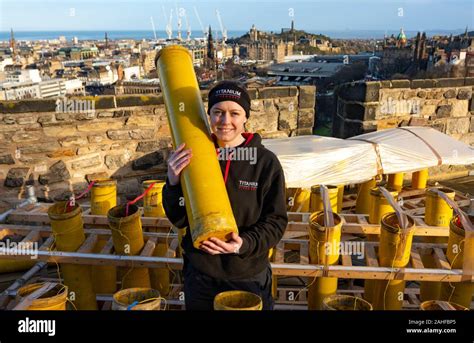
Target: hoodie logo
(248, 185)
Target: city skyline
(340, 15)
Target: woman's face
(227, 122)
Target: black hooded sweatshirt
(257, 195)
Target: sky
(311, 15)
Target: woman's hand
(177, 161)
(215, 246)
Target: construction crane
(178, 17)
(223, 31)
(153, 26)
(169, 28)
(204, 31)
(188, 28)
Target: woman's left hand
(215, 246)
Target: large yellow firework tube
(153, 207)
(103, 198)
(323, 250)
(128, 239)
(458, 253)
(207, 203)
(437, 213)
(394, 252)
(68, 230)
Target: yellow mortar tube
(207, 203)
(103, 198)
(340, 197)
(301, 198)
(316, 202)
(394, 251)
(379, 206)
(237, 301)
(53, 300)
(419, 179)
(322, 254)
(395, 181)
(153, 207)
(271, 257)
(363, 202)
(68, 230)
(437, 213)
(128, 240)
(457, 292)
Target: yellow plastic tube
(379, 205)
(437, 213)
(395, 181)
(67, 227)
(207, 203)
(338, 302)
(323, 250)
(394, 252)
(103, 198)
(237, 301)
(301, 198)
(419, 179)
(137, 299)
(363, 202)
(457, 292)
(340, 197)
(152, 202)
(128, 240)
(316, 203)
(53, 300)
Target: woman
(256, 190)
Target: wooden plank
(89, 244)
(415, 258)
(149, 247)
(108, 247)
(304, 253)
(28, 300)
(280, 252)
(47, 244)
(346, 260)
(370, 256)
(440, 259)
(32, 237)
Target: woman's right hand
(177, 161)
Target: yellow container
(137, 299)
(128, 240)
(394, 251)
(69, 235)
(103, 198)
(152, 202)
(363, 202)
(345, 303)
(379, 205)
(207, 203)
(457, 292)
(437, 211)
(237, 301)
(419, 179)
(323, 250)
(301, 198)
(271, 257)
(395, 181)
(437, 305)
(340, 197)
(53, 300)
(316, 203)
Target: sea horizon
(35, 35)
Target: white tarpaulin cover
(312, 160)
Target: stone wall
(444, 104)
(125, 137)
